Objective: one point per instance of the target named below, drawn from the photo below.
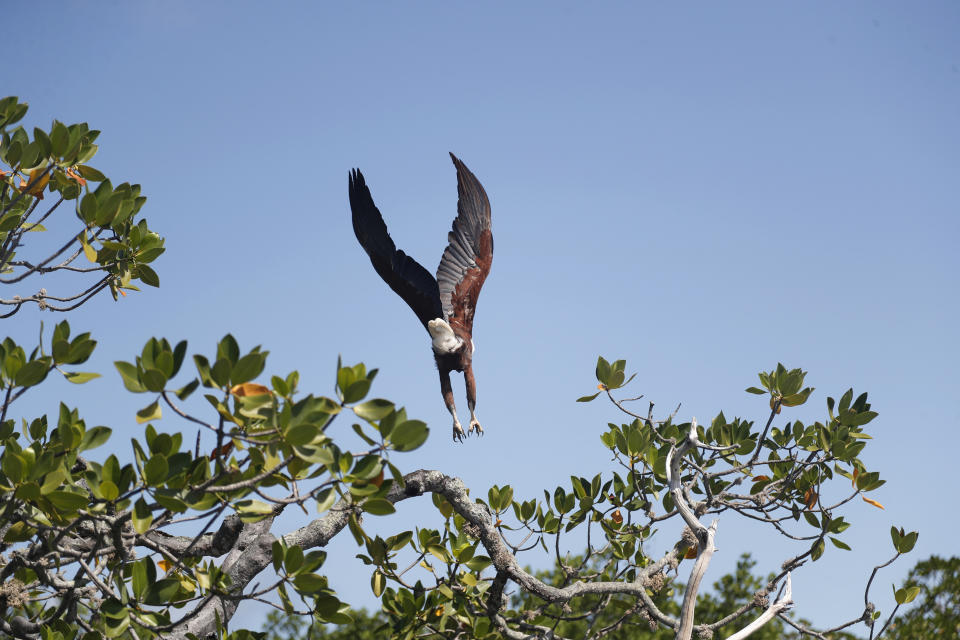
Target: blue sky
(703, 190)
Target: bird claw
(458, 434)
(475, 425)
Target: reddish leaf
(221, 452)
(249, 389)
(36, 183)
(76, 177)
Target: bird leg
(472, 399)
(447, 390)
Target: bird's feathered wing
(466, 260)
(406, 276)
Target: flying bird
(446, 304)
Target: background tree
(363, 626)
(170, 539)
(936, 613)
(117, 248)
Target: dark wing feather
(466, 260)
(405, 275)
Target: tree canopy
(936, 613)
(116, 246)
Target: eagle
(445, 305)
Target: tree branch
(783, 603)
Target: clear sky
(703, 190)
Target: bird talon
(458, 434)
(474, 425)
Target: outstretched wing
(466, 260)
(405, 275)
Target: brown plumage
(446, 304)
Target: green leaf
(10, 221)
(374, 409)
(277, 553)
(409, 435)
(53, 480)
(253, 510)
(12, 466)
(588, 398)
(359, 431)
(150, 412)
(90, 173)
(179, 352)
(439, 552)
(166, 499)
(32, 373)
(67, 501)
(906, 594)
(142, 516)
(356, 391)
(108, 490)
(840, 544)
(506, 498)
(28, 491)
(397, 542)
(863, 418)
(797, 399)
(478, 563)
(43, 140)
(325, 499)
(88, 251)
(755, 390)
(59, 139)
(367, 467)
(908, 541)
(247, 368)
(203, 368)
(154, 380)
(228, 349)
(379, 507)
(293, 559)
(139, 574)
(147, 275)
(88, 211)
(302, 434)
(78, 377)
(817, 550)
(130, 376)
(309, 583)
(378, 583)
(162, 591)
(845, 401)
(184, 392)
(93, 438)
(156, 469)
(603, 371)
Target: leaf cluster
(65, 512)
(117, 246)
